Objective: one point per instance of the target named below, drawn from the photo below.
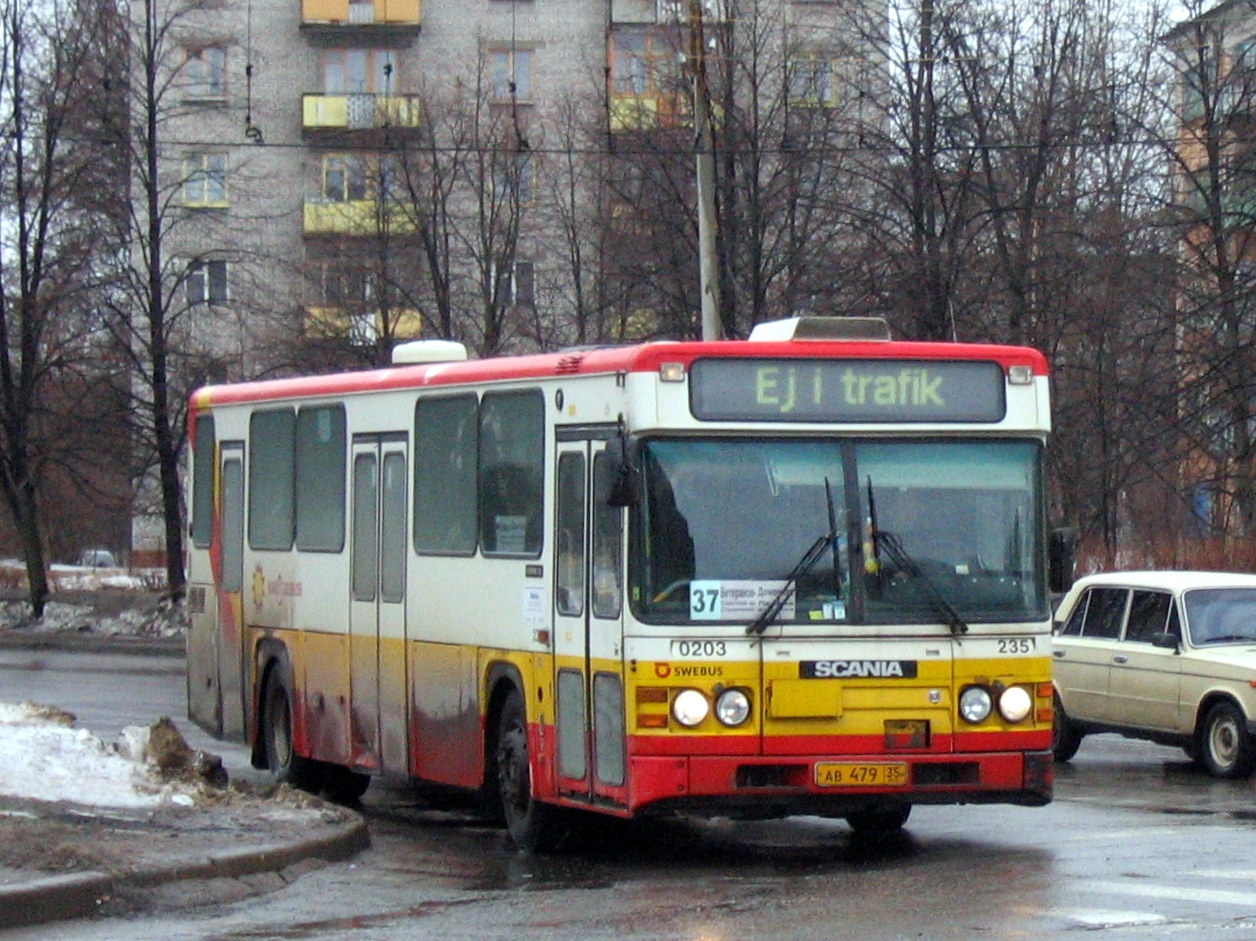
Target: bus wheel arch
(534, 825)
(275, 739)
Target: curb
(80, 894)
(73, 642)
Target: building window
(514, 285)
(644, 63)
(205, 179)
(205, 72)
(344, 177)
(359, 71)
(207, 282)
(812, 81)
(510, 74)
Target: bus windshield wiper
(809, 561)
(893, 548)
(903, 561)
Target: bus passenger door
(588, 626)
(377, 681)
(230, 652)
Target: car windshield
(1221, 615)
(934, 531)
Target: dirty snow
(44, 757)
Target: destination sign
(864, 390)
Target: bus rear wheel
(534, 825)
(282, 761)
(879, 822)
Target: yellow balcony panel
(648, 112)
(353, 217)
(366, 13)
(359, 111)
(324, 111)
(328, 321)
(397, 110)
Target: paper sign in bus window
(734, 599)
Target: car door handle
(1058, 653)
(1120, 658)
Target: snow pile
(43, 757)
(152, 620)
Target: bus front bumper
(836, 786)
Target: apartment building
(1215, 203)
(514, 174)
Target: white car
(1166, 656)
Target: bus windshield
(917, 531)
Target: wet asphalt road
(1138, 844)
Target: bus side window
(204, 459)
(512, 468)
(607, 583)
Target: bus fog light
(975, 704)
(690, 707)
(733, 707)
(1014, 703)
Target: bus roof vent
(428, 351)
(822, 328)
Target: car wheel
(1066, 738)
(1226, 748)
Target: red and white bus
(792, 574)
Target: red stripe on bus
(609, 361)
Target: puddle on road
(319, 928)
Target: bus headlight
(690, 707)
(733, 707)
(1014, 703)
(975, 704)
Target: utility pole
(704, 149)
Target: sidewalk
(62, 859)
(59, 861)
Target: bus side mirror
(625, 489)
(1061, 553)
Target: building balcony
(362, 328)
(358, 112)
(649, 112)
(364, 217)
(399, 19)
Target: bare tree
(51, 215)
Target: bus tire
(282, 762)
(534, 825)
(879, 822)
(344, 786)
(1066, 738)
(1226, 748)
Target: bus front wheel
(534, 825)
(282, 761)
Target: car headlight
(690, 707)
(1014, 703)
(975, 704)
(733, 707)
